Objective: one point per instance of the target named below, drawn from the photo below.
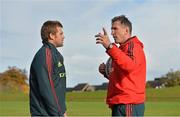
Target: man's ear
(51, 36)
(127, 30)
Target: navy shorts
(128, 110)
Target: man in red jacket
(127, 77)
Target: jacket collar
(50, 45)
(127, 41)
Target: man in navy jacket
(47, 74)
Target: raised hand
(103, 39)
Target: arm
(45, 89)
(123, 60)
(119, 57)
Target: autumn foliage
(14, 79)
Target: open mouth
(114, 37)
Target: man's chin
(61, 45)
(116, 41)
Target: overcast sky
(155, 22)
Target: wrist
(109, 46)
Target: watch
(110, 46)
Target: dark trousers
(128, 110)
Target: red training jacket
(127, 79)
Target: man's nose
(112, 32)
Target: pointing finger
(104, 30)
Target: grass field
(160, 102)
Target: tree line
(171, 79)
(15, 79)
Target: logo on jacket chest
(61, 74)
(59, 64)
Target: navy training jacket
(47, 82)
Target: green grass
(87, 109)
(86, 96)
(11, 108)
(160, 102)
(91, 108)
(162, 109)
(13, 96)
(164, 94)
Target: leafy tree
(173, 78)
(148, 84)
(14, 79)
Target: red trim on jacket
(49, 67)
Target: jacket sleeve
(43, 82)
(124, 61)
